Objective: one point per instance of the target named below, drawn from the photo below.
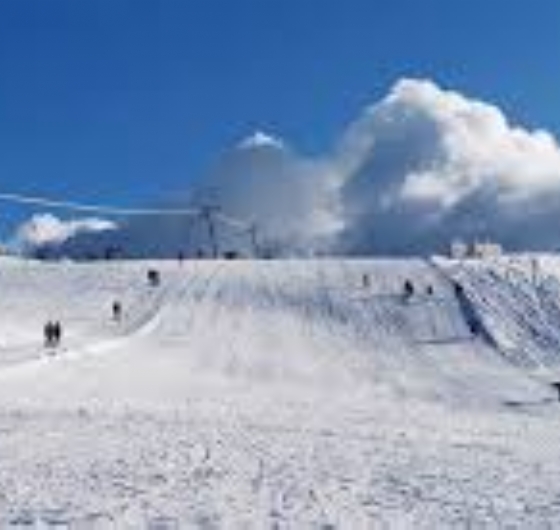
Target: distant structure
(487, 249)
(459, 249)
(478, 249)
(218, 230)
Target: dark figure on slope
(366, 282)
(117, 311)
(48, 334)
(57, 333)
(52, 333)
(408, 290)
(471, 319)
(153, 278)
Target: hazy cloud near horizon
(415, 170)
(292, 198)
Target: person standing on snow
(48, 333)
(366, 282)
(57, 332)
(53, 334)
(408, 290)
(153, 277)
(117, 311)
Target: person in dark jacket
(408, 290)
(366, 282)
(52, 333)
(57, 333)
(153, 277)
(117, 311)
(48, 333)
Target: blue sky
(122, 101)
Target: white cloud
(264, 181)
(261, 139)
(260, 180)
(47, 229)
(425, 164)
(418, 168)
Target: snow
(279, 394)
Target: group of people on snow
(53, 331)
(407, 291)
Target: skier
(474, 326)
(117, 311)
(473, 322)
(56, 333)
(53, 334)
(153, 277)
(48, 334)
(459, 290)
(429, 290)
(366, 281)
(408, 290)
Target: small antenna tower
(207, 214)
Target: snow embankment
(517, 299)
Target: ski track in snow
(278, 395)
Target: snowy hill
(518, 299)
(300, 394)
(302, 325)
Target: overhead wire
(101, 209)
(95, 208)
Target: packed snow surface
(281, 394)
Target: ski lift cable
(94, 208)
(35, 200)
(235, 223)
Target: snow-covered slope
(297, 326)
(518, 300)
(292, 394)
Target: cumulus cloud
(48, 230)
(259, 182)
(425, 165)
(290, 197)
(422, 166)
